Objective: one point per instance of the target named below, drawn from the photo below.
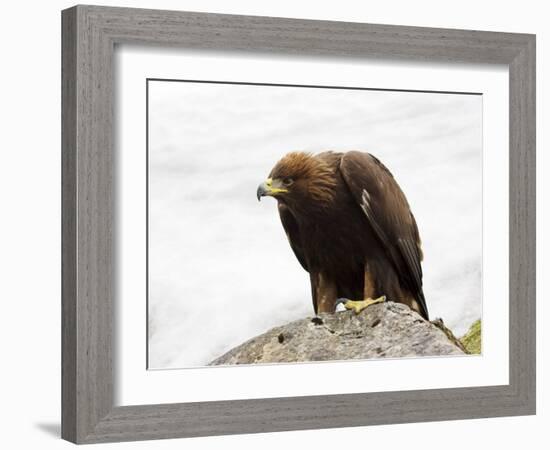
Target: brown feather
(347, 221)
(304, 166)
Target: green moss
(472, 339)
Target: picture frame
(89, 36)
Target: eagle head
(300, 177)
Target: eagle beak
(263, 189)
(268, 187)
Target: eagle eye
(288, 181)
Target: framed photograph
(279, 224)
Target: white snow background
(220, 267)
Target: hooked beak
(263, 190)
(268, 188)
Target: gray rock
(386, 330)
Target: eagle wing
(387, 210)
(293, 234)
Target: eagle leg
(360, 305)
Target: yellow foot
(360, 305)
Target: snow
(220, 268)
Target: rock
(385, 330)
(439, 324)
(472, 339)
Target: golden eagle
(351, 227)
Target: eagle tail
(421, 300)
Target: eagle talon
(360, 305)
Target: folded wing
(387, 210)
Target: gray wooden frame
(89, 36)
